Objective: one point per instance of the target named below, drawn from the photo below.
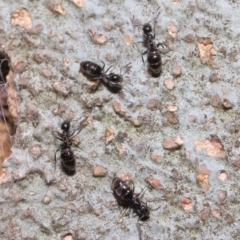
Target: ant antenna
(127, 67)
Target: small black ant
(68, 161)
(153, 53)
(126, 198)
(96, 73)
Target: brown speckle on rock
(152, 103)
(99, 211)
(136, 122)
(156, 158)
(227, 104)
(172, 108)
(99, 171)
(126, 176)
(98, 102)
(207, 52)
(172, 117)
(176, 71)
(38, 28)
(216, 101)
(203, 177)
(37, 57)
(205, 213)
(175, 174)
(97, 38)
(222, 175)
(170, 143)
(109, 57)
(128, 39)
(108, 26)
(46, 199)
(186, 203)
(22, 18)
(216, 213)
(19, 65)
(109, 135)
(224, 91)
(120, 110)
(213, 77)
(172, 29)
(236, 163)
(35, 150)
(229, 219)
(121, 150)
(78, 3)
(57, 86)
(189, 38)
(222, 195)
(66, 62)
(169, 83)
(154, 182)
(56, 8)
(213, 146)
(46, 72)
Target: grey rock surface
(186, 185)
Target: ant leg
(154, 24)
(55, 157)
(139, 230)
(140, 51)
(95, 86)
(103, 65)
(163, 45)
(127, 68)
(144, 54)
(108, 68)
(139, 195)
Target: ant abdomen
(154, 62)
(91, 70)
(68, 161)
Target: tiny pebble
(169, 83)
(216, 101)
(99, 171)
(176, 72)
(227, 104)
(213, 77)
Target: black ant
(68, 161)
(153, 53)
(96, 73)
(126, 198)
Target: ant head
(147, 28)
(65, 126)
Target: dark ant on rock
(68, 161)
(93, 72)
(126, 198)
(153, 53)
